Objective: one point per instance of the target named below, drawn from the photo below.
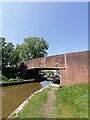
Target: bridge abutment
(76, 70)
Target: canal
(13, 96)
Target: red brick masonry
(76, 68)
(73, 66)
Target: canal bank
(16, 83)
(13, 96)
(21, 81)
(25, 102)
(45, 85)
(64, 102)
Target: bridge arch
(73, 66)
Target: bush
(3, 78)
(9, 72)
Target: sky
(64, 25)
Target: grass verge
(70, 102)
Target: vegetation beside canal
(33, 108)
(70, 102)
(4, 79)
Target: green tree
(0, 55)
(15, 61)
(4, 53)
(9, 53)
(33, 47)
(10, 57)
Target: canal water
(13, 96)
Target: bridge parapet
(56, 61)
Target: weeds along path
(48, 106)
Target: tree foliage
(9, 54)
(33, 47)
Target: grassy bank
(70, 102)
(4, 79)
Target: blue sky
(63, 25)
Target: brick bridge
(73, 66)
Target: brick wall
(47, 62)
(76, 68)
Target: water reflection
(45, 83)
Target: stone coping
(15, 83)
(55, 85)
